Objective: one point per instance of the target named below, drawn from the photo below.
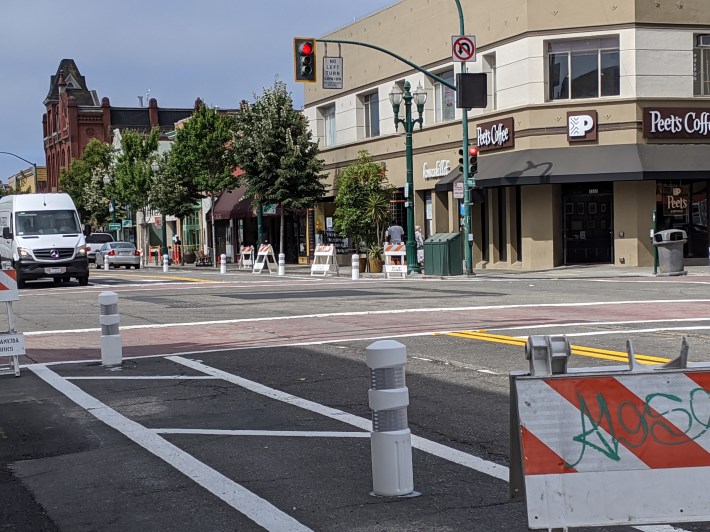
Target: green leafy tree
(274, 148)
(172, 193)
(202, 157)
(84, 182)
(363, 201)
(133, 175)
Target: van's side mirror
(87, 229)
(6, 234)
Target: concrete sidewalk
(585, 271)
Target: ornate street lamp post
(112, 205)
(396, 96)
(164, 229)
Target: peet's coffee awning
(626, 162)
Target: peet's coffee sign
(675, 202)
(496, 135)
(676, 123)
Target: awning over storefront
(232, 205)
(627, 162)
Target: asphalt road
(242, 400)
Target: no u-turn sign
(463, 48)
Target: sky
(223, 51)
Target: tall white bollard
(391, 439)
(282, 264)
(355, 263)
(223, 263)
(166, 263)
(105, 264)
(111, 347)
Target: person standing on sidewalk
(395, 233)
(419, 241)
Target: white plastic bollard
(166, 263)
(111, 347)
(105, 264)
(391, 439)
(223, 263)
(282, 264)
(355, 263)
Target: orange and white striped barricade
(246, 258)
(265, 253)
(614, 445)
(12, 343)
(397, 268)
(324, 261)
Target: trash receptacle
(669, 245)
(442, 254)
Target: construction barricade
(12, 343)
(614, 445)
(395, 261)
(264, 257)
(246, 258)
(324, 261)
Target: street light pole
(396, 96)
(164, 229)
(107, 180)
(34, 165)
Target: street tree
(274, 148)
(202, 156)
(362, 203)
(172, 193)
(133, 175)
(84, 182)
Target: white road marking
(143, 377)
(267, 433)
(375, 313)
(254, 507)
(636, 331)
(447, 453)
(597, 323)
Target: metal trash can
(442, 254)
(669, 244)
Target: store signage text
(672, 122)
(441, 168)
(495, 135)
(676, 203)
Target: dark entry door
(588, 228)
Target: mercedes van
(41, 236)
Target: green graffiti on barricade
(604, 429)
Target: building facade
(597, 122)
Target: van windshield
(46, 223)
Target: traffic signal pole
(468, 181)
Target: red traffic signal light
(472, 160)
(473, 150)
(305, 59)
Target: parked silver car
(118, 254)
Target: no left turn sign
(463, 48)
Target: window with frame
(444, 98)
(328, 114)
(583, 68)
(371, 111)
(701, 66)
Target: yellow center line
(594, 352)
(167, 277)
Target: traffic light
(305, 59)
(461, 160)
(472, 160)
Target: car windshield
(46, 223)
(98, 238)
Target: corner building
(598, 118)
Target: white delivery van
(40, 234)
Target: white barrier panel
(265, 253)
(395, 261)
(12, 343)
(246, 258)
(615, 448)
(324, 261)
(8, 286)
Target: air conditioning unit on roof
(704, 41)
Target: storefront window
(684, 205)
